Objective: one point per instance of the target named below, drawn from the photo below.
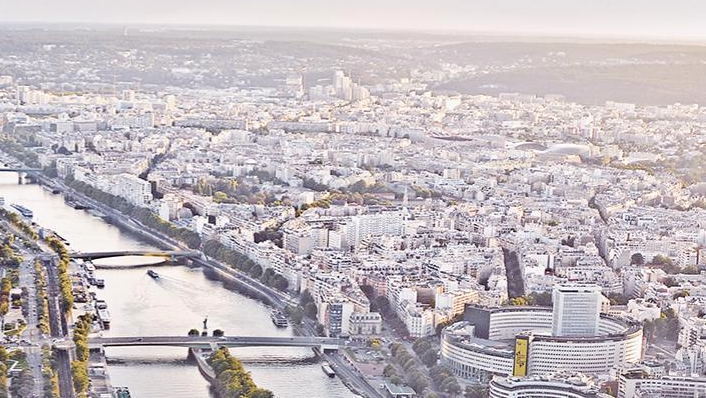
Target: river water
(177, 302)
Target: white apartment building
(136, 191)
(638, 383)
(365, 324)
(373, 224)
(419, 321)
(455, 301)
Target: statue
(205, 323)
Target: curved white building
(565, 386)
(518, 341)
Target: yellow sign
(521, 348)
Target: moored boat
(23, 210)
(104, 317)
(279, 319)
(328, 369)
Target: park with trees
(232, 380)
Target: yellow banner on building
(521, 348)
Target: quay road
(326, 343)
(348, 373)
(57, 319)
(59, 329)
(32, 332)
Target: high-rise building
(345, 88)
(577, 310)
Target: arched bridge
(325, 343)
(123, 253)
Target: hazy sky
(675, 19)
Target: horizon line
(528, 36)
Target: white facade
(456, 300)
(136, 191)
(558, 386)
(476, 351)
(637, 384)
(419, 321)
(577, 309)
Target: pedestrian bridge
(166, 254)
(206, 342)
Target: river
(172, 305)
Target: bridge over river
(173, 254)
(205, 342)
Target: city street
(32, 332)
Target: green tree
(420, 346)
(476, 392)
(79, 374)
(519, 301)
(260, 393)
(310, 310)
(637, 259)
(417, 381)
(389, 371)
(296, 314)
(220, 197)
(232, 380)
(450, 385)
(429, 358)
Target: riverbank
(179, 300)
(206, 370)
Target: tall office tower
(577, 310)
(338, 77)
(23, 94)
(343, 85)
